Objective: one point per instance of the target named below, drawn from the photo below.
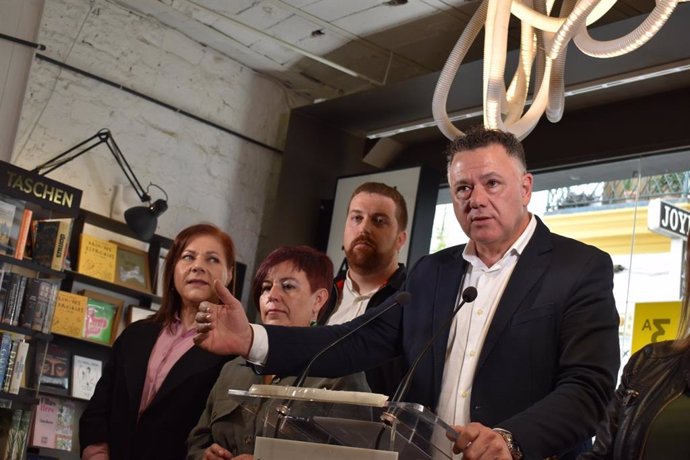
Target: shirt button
(479, 312)
(464, 394)
(473, 354)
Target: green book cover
(98, 324)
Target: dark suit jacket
(111, 415)
(549, 362)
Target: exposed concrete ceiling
(373, 64)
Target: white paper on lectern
(319, 395)
(285, 449)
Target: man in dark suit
(525, 370)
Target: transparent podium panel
(348, 419)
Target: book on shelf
(97, 258)
(42, 314)
(23, 236)
(7, 211)
(85, 375)
(19, 367)
(5, 281)
(12, 441)
(51, 241)
(22, 433)
(28, 309)
(99, 323)
(56, 367)
(45, 307)
(11, 357)
(49, 421)
(5, 348)
(14, 298)
(70, 311)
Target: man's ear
(400, 239)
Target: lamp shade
(143, 220)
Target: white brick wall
(209, 175)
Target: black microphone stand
(401, 298)
(389, 417)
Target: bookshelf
(36, 214)
(105, 229)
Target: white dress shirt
(352, 304)
(471, 324)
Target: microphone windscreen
(469, 294)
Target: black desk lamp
(142, 220)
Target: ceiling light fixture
(544, 41)
(572, 90)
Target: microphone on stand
(468, 295)
(401, 298)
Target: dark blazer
(111, 415)
(549, 362)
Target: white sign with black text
(666, 219)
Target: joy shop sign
(666, 219)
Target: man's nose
(477, 197)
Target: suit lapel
(138, 360)
(533, 262)
(449, 276)
(194, 361)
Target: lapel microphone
(468, 295)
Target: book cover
(19, 367)
(23, 236)
(13, 297)
(24, 426)
(99, 321)
(85, 375)
(10, 365)
(70, 311)
(43, 300)
(97, 258)
(63, 426)
(15, 446)
(56, 367)
(5, 348)
(44, 324)
(61, 244)
(7, 211)
(28, 310)
(5, 282)
(44, 241)
(45, 423)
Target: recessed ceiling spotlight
(318, 33)
(395, 2)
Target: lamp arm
(68, 155)
(126, 168)
(101, 137)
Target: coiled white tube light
(543, 45)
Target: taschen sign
(665, 219)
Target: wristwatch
(513, 446)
